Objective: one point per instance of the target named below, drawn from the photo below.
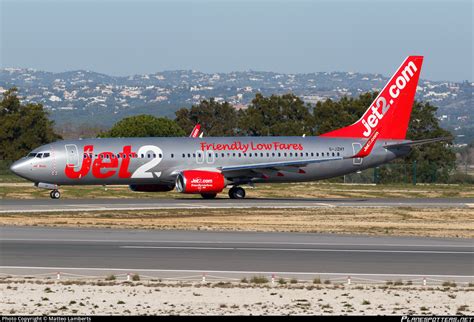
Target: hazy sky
(135, 37)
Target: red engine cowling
(150, 187)
(200, 181)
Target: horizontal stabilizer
(418, 142)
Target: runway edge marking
(230, 242)
(316, 250)
(220, 271)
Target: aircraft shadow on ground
(298, 200)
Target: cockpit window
(39, 155)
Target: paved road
(48, 205)
(170, 253)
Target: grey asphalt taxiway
(48, 205)
(161, 254)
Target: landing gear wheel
(55, 194)
(208, 195)
(237, 193)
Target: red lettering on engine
(200, 181)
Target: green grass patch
(25, 189)
(110, 277)
(259, 280)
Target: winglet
(195, 131)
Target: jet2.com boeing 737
(207, 165)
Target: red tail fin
(397, 96)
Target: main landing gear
(236, 193)
(55, 194)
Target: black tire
(208, 195)
(237, 193)
(55, 194)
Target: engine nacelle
(151, 187)
(200, 181)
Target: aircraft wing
(245, 172)
(261, 170)
(277, 165)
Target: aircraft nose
(20, 168)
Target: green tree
(435, 161)
(330, 115)
(216, 119)
(23, 127)
(144, 126)
(276, 115)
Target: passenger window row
(217, 155)
(267, 154)
(123, 156)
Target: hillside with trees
(85, 97)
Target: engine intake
(200, 181)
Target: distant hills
(99, 99)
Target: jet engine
(200, 181)
(151, 187)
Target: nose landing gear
(55, 194)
